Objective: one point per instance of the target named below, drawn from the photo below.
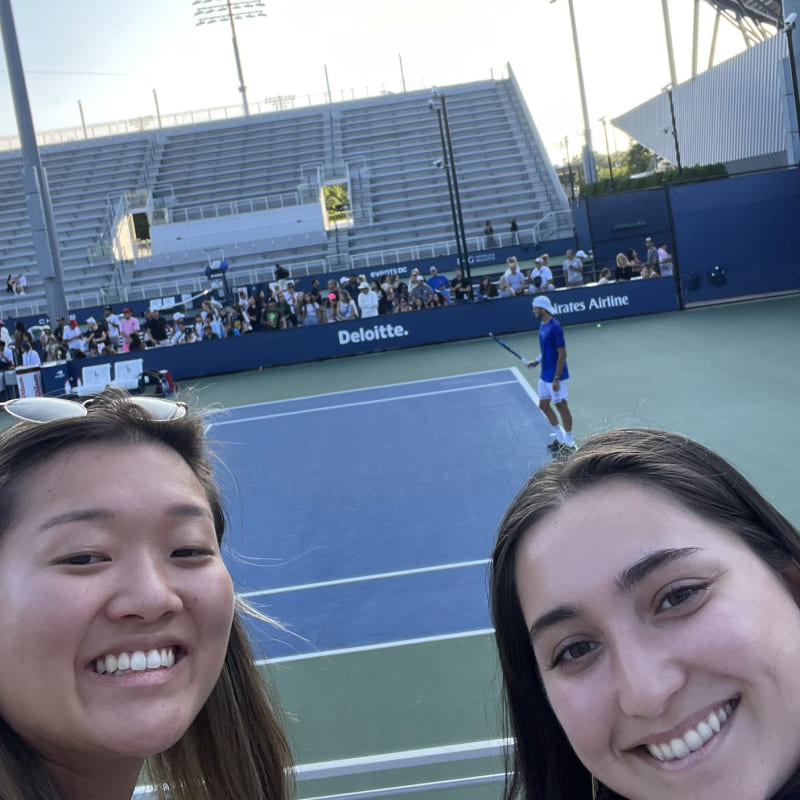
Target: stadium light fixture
(209, 11)
(438, 103)
(589, 165)
(789, 24)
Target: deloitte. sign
(373, 334)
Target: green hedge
(626, 184)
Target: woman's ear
(791, 577)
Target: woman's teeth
(694, 738)
(135, 661)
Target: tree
(638, 159)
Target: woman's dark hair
(543, 764)
(235, 747)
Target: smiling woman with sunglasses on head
(120, 644)
(645, 601)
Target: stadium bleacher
(384, 148)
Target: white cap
(582, 254)
(363, 285)
(177, 315)
(540, 301)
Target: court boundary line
(363, 389)
(301, 587)
(362, 403)
(366, 648)
(526, 387)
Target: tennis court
(365, 492)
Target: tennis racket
(510, 349)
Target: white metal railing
(407, 759)
(229, 208)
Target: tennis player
(554, 376)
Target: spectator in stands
(624, 268)
(605, 276)
(280, 273)
(423, 292)
(11, 284)
(401, 293)
(346, 308)
(351, 284)
(111, 321)
(253, 314)
(488, 233)
(437, 281)
(649, 271)
(514, 277)
(157, 327)
(540, 278)
(386, 297)
(460, 287)
(49, 344)
(28, 356)
(179, 330)
(308, 311)
(135, 343)
(7, 357)
(208, 333)
(291, 300)
(514, 230)
(573, 270)
(95, 336)
(416, 303)
(651, 259)
(21, 283)
(73, 338)
(503, 289)
(403, 304)
(128, 325)
(664, 260)
(273, 318)
(367, 300)
(486, 289)
(5, 336)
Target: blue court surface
(366, 518)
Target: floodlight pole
(668, 90)
(34, 178)
(440, 103)
(589, 166)
(242, 87)
(608, 153)
(218, 13)
(446, 166)
(569, 169)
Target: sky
(112, 55)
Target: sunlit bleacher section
(81, 177)
(502, 171)
(142, 215)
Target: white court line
(527, 388)
(363, 403)
(363, 389)
(444, 637)
(300, 587)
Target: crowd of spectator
(284, 304)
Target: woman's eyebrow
(630, 577)
(625, 582)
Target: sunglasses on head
(50, 409)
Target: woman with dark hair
(645, 602)
(121, 644)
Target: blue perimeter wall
(745, 224)
(389, 332)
